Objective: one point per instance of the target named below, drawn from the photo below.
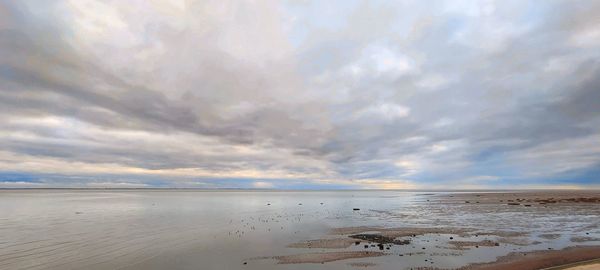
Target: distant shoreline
(297, 190)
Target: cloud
(286, 94)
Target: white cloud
(433, 81)
(385, 111)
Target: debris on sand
(484, 243)
(398, 232)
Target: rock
(355, 209)
(380, 239)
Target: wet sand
(385, 238)
(595, 266)
(134, 230)
(325, 257)
(541, 259)
(583, 266)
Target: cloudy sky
(300, 94)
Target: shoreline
(566, 258)
(582, 265)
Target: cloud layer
(297, 94)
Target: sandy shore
(460, 240)
(591, 266)
(542, 259)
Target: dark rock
(355, 209)
(380, 239)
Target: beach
(240, 229)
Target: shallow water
(168, 229)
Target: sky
(300, 94)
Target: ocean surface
(194, 229)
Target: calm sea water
(112, 229)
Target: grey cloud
(491, 91)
